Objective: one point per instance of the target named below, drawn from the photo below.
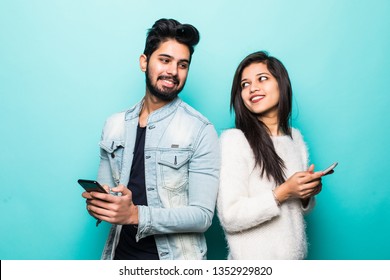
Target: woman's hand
(303, 185)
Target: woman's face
(260, 90)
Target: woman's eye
(263, 78)
(244, 85)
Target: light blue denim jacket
(182, 161)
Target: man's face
(166, 70)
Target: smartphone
(91, 186)
(329, 169)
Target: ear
(143, 62)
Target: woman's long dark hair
(256, 132)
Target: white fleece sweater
(254, 225)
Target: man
(162, 158)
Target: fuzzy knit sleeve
(238, 207)
(298, 138)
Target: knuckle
(115, 208)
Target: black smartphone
(329, 169)
(91, 186)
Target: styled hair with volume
(165, 29)
(256, 132)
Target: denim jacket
(182, 161)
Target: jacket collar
(155, 116)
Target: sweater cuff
(310, 205)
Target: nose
(172, 69)
(254, 87)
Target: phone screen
(91, 186)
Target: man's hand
(113, 209)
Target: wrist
(276, 198)
(281, 193)
(133, 219)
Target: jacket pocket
(174, 169)
(114, 150)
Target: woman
(265, 183)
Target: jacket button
(148, 157)
(112, 155)
(152, 126)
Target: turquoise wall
(67, 65)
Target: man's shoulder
(116, 117)
(120, 117)
(114, 126)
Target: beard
(164, 94)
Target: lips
(169, 81)
(256, 98)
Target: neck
(151, 104)
(272, 124)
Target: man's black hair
(165, 29)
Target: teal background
(67, 65)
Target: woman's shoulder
(296, 133)
(232, 135)
(297, 136)
(233, 140)
(235, 147)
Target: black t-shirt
(145, 248)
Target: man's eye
(183, 65)
(164, 60)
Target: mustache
(172, 78)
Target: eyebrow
(258, 74)
(171, 57)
